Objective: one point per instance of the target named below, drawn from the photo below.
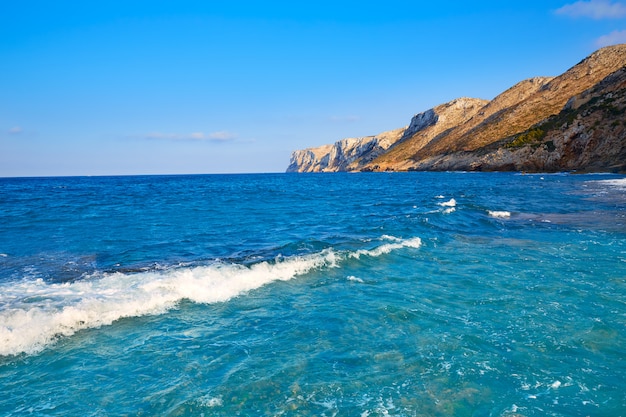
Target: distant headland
(573, 122)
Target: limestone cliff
(424, 128)
(570, 122)
(309, 160)
(588, 135)
(546, 100)
(349, 154)
(356, 154)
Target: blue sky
(182, 87)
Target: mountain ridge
(475, 134)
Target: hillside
(473, 134)
(588, 135)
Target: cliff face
(349, 154)
(425, 128)
(573, 121)
(588, 135)
(547, 99)
(308, 160)
(357, 154)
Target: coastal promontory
(574, 121)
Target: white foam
(449, 203)
(209, 401)
(499, 214)
(391, 238)
(355, 279)
(34, 313)
(617, 183)
(415, 242)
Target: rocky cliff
(349, 154)
(571, 122)
(587, 135)
(425, 128)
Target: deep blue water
(404, 294)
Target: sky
(232, 86)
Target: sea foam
(35, 313)
(499, 214)
(386, 248)
(449, 203)
(450, 206)
(618, 183)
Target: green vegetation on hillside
(608, 104)
(530, 137)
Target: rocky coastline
(573, 122)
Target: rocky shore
(573, 122)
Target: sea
(367, 294)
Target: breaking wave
(35, 313)
(499, 214)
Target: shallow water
(347, 294)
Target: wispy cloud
(594, 9)
(613, 38)
(15, 130)
(222, 135)
(219, 136)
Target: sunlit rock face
(570, 122)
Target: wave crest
(34, 313)
(499, 214)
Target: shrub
(530, 137)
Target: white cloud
(613, 38)
(15, 130)
(219, 136)
(197, 136)
(594, 9)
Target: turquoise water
(404, 294)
